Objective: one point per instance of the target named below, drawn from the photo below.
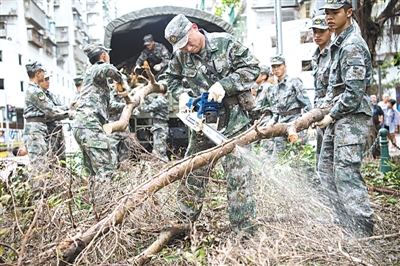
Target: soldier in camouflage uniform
(221, 65)
(156, 54)
(92, 109)
(320, 66)
(38, 110)
(158, 108)
(348, 122)
(56, 139)
(288, 98)
(121, 143)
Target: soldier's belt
(232, 100)
(291, 112)
(36, 119)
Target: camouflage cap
(335, 4)
(319, 22)
(177, 31)
(277, 60)
(34, 67)
(147, 39)
(78, 80)
(47, 74)
(265, 69)
(94, 48)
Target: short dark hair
(94, 59)
(346, 7)
(392, 101)
(15, 151)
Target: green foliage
(396, 61)
(299, 155)
(224, 5)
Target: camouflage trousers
(122, 148)
(35, 141)
(339, 165)
(56, 141)
(240, 192)
(319, 137)
(160, 136)
(97, 155)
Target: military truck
(124, 36)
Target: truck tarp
(124, 35)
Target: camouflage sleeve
(116, 105)
(43, 103)
(245, 68)
(174, 78)
(353, 72)
(112, 72)
(142, 57)
(302, 95)
(153, 106)
(165, 56)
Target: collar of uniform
(34, 84)
(283, 80)
(210, 44)
(339, 40)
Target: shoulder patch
(41, 96)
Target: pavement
(397, 151)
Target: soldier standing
(221, 65)
(158, 108)
(38, 110)
(320, 66)
(92, 113)
(288, 97)
(156, 54)
(348, 123)
(56, 138)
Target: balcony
(62, 51)
(62, 35)
(56, 3)
(50, 47)
(77, 6)
(34, 14)
(3, 33)
(9, 8)
(78, 37)
(79, 55)
(78, 21)
(85, 29)
(35, 37)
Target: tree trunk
(138, 94)
(71, 248)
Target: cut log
(137, 94)
(70, 248)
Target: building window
(21, 85)
(1, 84)
(273, 41)
(1, 56)
(20, 59)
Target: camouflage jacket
(288, 95)
(159, 55)
(320, 67)
(93, 103)
(116, 106)
(237, 69)
(157, 107)
(350, 75)
(263, 100)
(37, 104)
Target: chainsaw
(203, 116)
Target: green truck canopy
(124, 35)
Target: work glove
(183, 100)
(123, 91)
(325, 121)
(311, 132)
(157, 67)
(271, 122)
(137, 69)
(216, 92)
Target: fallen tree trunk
(71, 248)
(138, 94)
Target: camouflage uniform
(121, 144)
(288, 97)
(91, 114)
(38, 110)
(237, 69)
(158, 107)
(320, 67)
(55, 129)
(158, 55)
(345, 138)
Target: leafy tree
(224, 5)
